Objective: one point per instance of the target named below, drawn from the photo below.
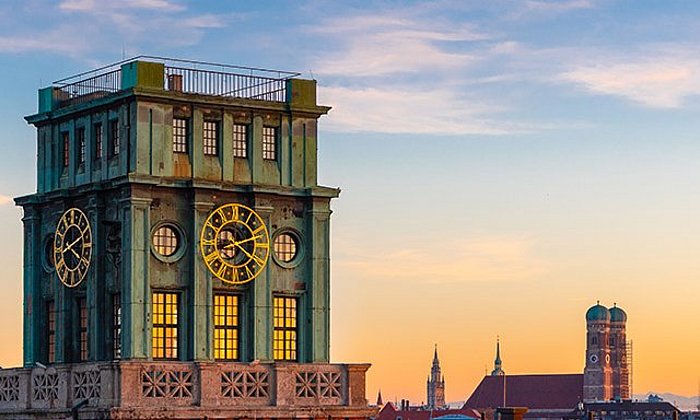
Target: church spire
(497, 364)
(380, 402)
(436, 384)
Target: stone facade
(107, 146)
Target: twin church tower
(606, 375)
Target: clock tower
(177, 249)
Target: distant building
(624, 410)
(406, 412)
(497, 365)
(436, 385)
(545, 396)
(606, 375)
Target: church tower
(497, 369)
(597, 375)
(436, 385)
(618, 353)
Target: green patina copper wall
(126, 195)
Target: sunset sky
(503, 166)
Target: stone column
(261, 299)
(32, 286)
(201, 287)
(136, 311)
(97, 336)
(317, 338)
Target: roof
(556, 391)
(389, 412)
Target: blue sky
(504, 164)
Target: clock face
(594, 358)
(235, 243)
(72, 247)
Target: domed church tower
(597, 375)
(618, 353)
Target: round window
(286, 247)
(166, 240)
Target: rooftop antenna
(312, 74)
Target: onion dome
(617, 314)
(598, 313)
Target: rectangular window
(225, 327)
(114, 137)
(269, 139)
(66, 149)
(83, 323)
(285, 328)
(98, 141)
(179, 135)
(80, 134)
(165, 325)
(210, 136)
(240, 140)
(116, 326)
(51, 331)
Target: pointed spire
(497, 370)
(380, 402)
(435, 356)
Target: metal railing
(187, 76)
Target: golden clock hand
(76, 254)
(245, 252)
(70, 246)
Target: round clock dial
(235, 243)
(594, 358)
(72, 247)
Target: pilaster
(201, 287)
(318, 282)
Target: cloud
(95, 6)
(557, 6)
(659, 77)
(5, 200)
(496, 258)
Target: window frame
(83, 340)
(288, 335)
(99, 138)
(234, 327)
(270, 148)
(116, 326)
(239, 140)
(170, 330)
(65, 144)
(82, 146)
(50, 331)
(210, 146)
(114, 137)
(182, 146)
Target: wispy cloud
(5, 200)
(659, 77)
(481, 259)
(93, 5)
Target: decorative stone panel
(45, 387)
(87, 384)
(9, 388)
(245, 384)
(166, 383)
(318, 384)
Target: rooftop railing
(188, 76)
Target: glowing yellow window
(226, 327)
(165, 325)
(285, 331)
